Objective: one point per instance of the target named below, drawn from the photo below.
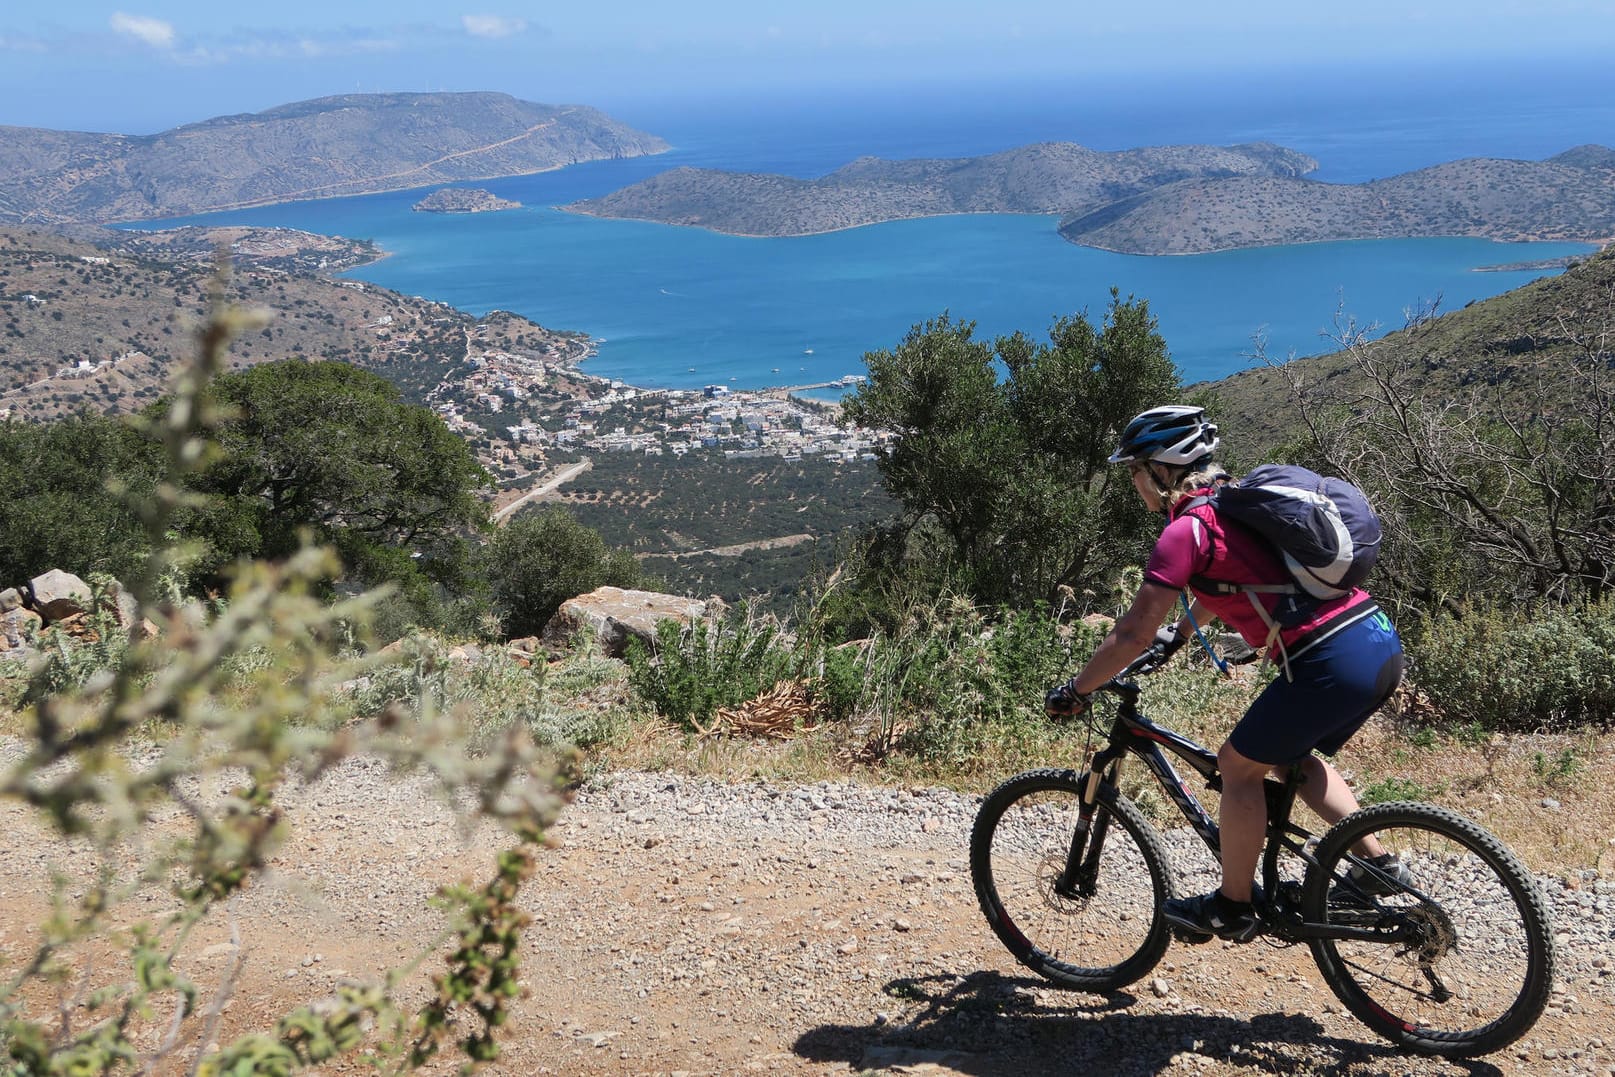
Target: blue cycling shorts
(1334, 685)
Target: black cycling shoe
(1205, 916)
(1375, 876)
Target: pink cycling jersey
(1194, 545)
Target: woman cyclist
(1338, 665)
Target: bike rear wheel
(1100, 936)
(1474, 967)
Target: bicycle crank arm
(1342, 932)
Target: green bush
(950, 680)
(1555, 671)
(539, 560)
(696, 670)
(957, 679)
(841, 681)
(67, 664)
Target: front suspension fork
(1087, 839)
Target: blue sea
(681, 307)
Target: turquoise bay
(747, 312)
(680, 307)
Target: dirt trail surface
(686, 926)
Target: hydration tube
(1216, 659)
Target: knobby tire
(1018, 848)
(1483, 933)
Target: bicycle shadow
(990, 1025)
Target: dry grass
(1544, 795)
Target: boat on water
(807, 351)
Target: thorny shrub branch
(1515, 474)
(89, 774)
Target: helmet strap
(1166, 493)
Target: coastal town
(524, 414)
(516, 391)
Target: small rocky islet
(463, 200)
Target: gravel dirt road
(686, 926)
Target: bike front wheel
(1465, 964)
(1103, 932)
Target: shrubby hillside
(101, 325)
(1499, 347)
(1570, 196)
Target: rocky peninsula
(332, 146)
(1158, 200)
(463, 200)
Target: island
(1156, 200)
(463, 200)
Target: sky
(141, 66)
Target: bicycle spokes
(1455, 953)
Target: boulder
(10, 599)
(15, 625)
(59, 594)
(615, 615)
(468, 654)
(121, 602)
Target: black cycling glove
(1064, 701)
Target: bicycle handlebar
(1153, 658)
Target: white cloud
(272, 46)
(22, 44)
(492, 25)
(154, 32)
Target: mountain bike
(1453, 956)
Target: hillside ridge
(1042, 178)
(330, 146)
(1492, 346)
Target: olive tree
(539, 560)
(998, 449)
(331, 450)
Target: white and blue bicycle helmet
(1174, 434)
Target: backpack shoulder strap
(1223, 587)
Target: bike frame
(1134, 734)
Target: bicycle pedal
(1190, 938)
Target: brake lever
(1153, 658)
